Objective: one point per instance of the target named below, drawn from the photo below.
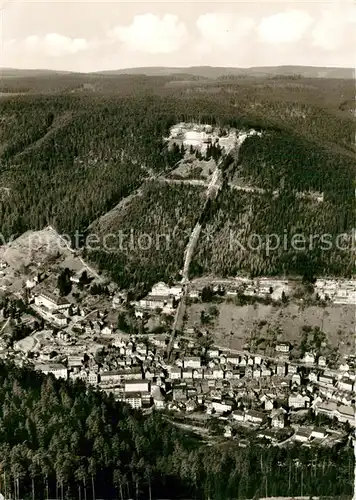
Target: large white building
(137, 386)
(162, 297)
(162, 290)
(158, 397)
(303, 435)
(175, 373)
(342, 412)
(194, 138)
(309, 358)
(346, 384)
(297, 400)
(134, 399)
(51, 302)
(57, 369)
(221, 406)
(278, 418)
(192, 362)
(253, 416)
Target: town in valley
(60, 317)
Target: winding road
(212, 191)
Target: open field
(338, 323)
(32, 247)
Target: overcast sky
(90, 36)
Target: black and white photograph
(177, 250)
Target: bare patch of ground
(33, 247)
(116, 211)
(192, 168)
(27, 344)
(11, 94)
(36, 252)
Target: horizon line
(2, 68)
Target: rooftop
(137, 381)
(132, 395)
(303, 432)
(51, 367)
(54, 298)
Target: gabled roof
(254, 413)
(320, 430)
(136, 381)
(51, 367)
(58, 301)
(304, 432)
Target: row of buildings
(342, 292)
(216, 383)
(259, 287)
(337, 291)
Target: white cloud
(303, 33)
(55, 45)
(60, 45)
(32, 42)
(152, 34)
(286, 27)
(8, 44)
(336, 28)
(222, 31)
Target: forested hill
(59, 439)
(68, 159)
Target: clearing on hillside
(235, 325)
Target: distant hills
(25, 73)
(218, 72)
(204, 72)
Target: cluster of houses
(165, 298)
(337, 291)
(246, 389)
(194, 135)
(259, 287)
(71, 317)
(137, 376)
(244, 377)
(340, 292)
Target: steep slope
(66, 164)
(142, 240)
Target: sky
(87, 35)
